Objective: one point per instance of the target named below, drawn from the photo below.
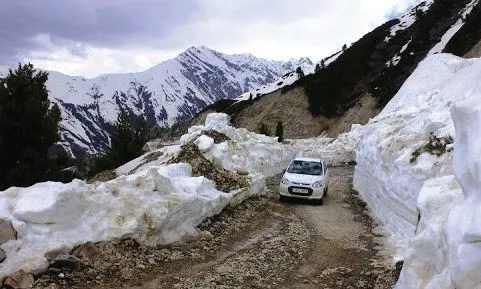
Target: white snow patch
(439, 47)
(395, 60)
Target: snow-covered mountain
(164, 94)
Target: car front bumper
(312, 194)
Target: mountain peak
(165, 94)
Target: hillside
(165, 94)
(292, 109)
(359, 81)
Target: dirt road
(260, 244)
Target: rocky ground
(261, 243)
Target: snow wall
(153, 201)
(431, 207)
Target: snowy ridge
(439, 47)
(408, 19)
(164, 94)
(287, 79)
(419, 199)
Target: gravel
(261, 243)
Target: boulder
(65, 262)
(7, 232)
(3, 256)
(19, 280)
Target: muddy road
(261, 243)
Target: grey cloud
(74, 23)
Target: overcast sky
(93, 37)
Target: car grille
(300, 184)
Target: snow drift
(418, 198)
(159, 205)
(154, 200)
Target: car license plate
(299, 191)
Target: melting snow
(152, 201)
(420, 202)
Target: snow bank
(160, 205)
(384, 175)
(419, 199)
(445, 253)
(250, 152)
(153, 200)
(425, 256)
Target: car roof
(306, 159)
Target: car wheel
(282, 198)
(325, 190)
(319, 202)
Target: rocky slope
(165, 94)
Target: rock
(7, 232)
(242, 172)
(65, 261)
(19, 280)
(3, 256)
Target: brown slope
(291, 108)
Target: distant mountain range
(165, 94)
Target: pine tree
(142, 135)
(126, 143)
(28, 127)
(122, 147)
(280, 131)
(300, 72)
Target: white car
(305, 178)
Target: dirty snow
(152, 200)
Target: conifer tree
(28, 127)
(142, 135)
(300, 72)
(122, 140)
(280, 131)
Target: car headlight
(317, 184)
(285, 181)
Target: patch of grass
(436, 146)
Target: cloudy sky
(92, 37)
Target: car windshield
(305, 168)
